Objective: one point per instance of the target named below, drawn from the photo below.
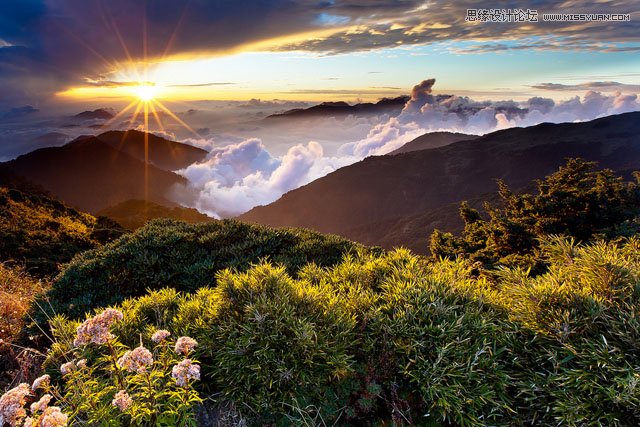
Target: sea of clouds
(246, 173)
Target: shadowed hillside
(91, 175)
(163, 153)
(133, 214)
(413, 185)
(432, 140)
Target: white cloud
(245, 174)
(240, 176)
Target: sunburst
(145, 95)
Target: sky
(214, 69)
(57, 51)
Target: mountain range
(391, 106)
(94, 172)
(399, 199)
(393, 200)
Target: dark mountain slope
(388, 188)
(90, 174)
(334, 109)
(133, 214)
(99, 114)
(433, 140)
(163, 153)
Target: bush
(103, 382)
(577, 201)
(381, 338)
(182, 256)
(17, 291)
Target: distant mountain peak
(340, 108)
(98, 114)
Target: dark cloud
(441, 20)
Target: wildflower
(136, 360)
(40, 381)
(82, 363)
(29, 422)
(41, 404)
(12, 405)
(96, 329)
(122, 400)
(185, 371)
(53, 417)
(160, 335)
(185, 345)
(65, 368)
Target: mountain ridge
(381, 188)
(93, 173)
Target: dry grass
(17, 290)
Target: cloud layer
(240, 176)
(245, 174)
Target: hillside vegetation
(578, 201)
(393, 337)
(227, 323)
(42, 233)
(182, 256)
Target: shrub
(17, 291)
(104, 382)
(183, 256)
(577, 201)
(381, 338)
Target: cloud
(596, 85)
(238, 177)
(425, 113)
(442, 21)
(245, 174)
(48, 45)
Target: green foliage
(42, 233)
(100, 386)
(392, 337)
(577, 201)
(183, 256)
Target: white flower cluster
(12, 405)
(160, 335)
(185, 345)
(96, 329)
(136, 360)
(185, 371)
(122, 400)
(12, 412)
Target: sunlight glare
(145, 93)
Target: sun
(145, 93)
